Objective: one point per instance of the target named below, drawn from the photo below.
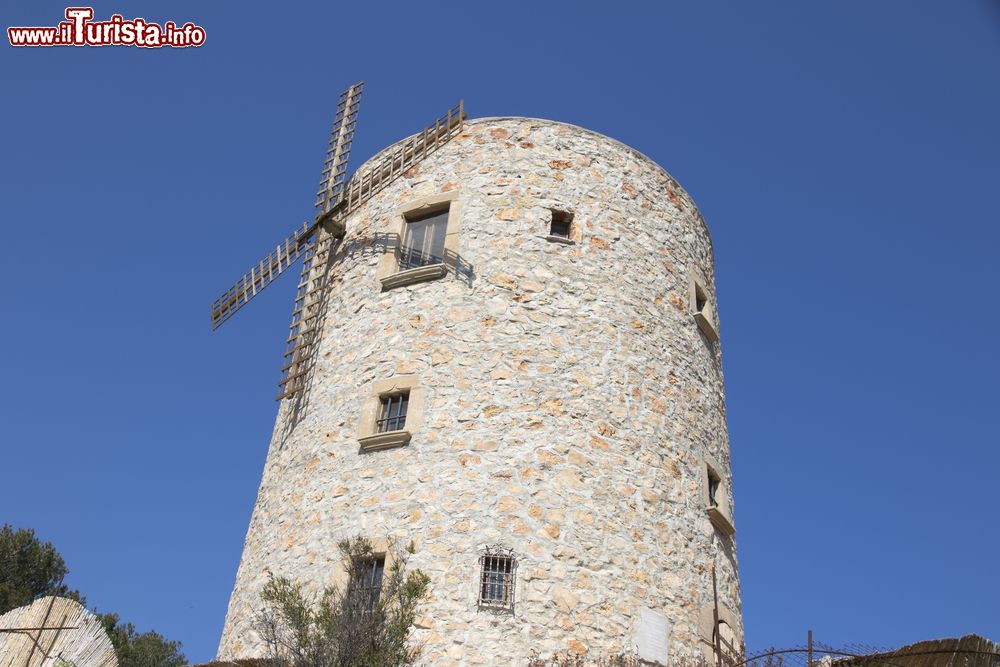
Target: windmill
(313, 242)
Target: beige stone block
(469, 459)
(441, 355)
(508, 505)
(531, 286)
(484, 445)
(546, 457)
(570, 479)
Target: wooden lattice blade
(263, 274)
(341, 137)
(307, 315)
(328, 200)
(365, 184)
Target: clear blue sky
(844, 154)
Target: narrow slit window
(700, 299)
(423, 240)
(713, 488)
(703, 309)
(562, 224)
(496, 585)
(366, 586)
(392, 412)
(716, 497)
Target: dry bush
(614, 660)
(567, 660)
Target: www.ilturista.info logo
(81, 30)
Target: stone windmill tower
(505, 348)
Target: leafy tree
(150, 649)
(356, 625)
(29, 568)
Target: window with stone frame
(423, 239)
(713, 487)
(366, 582)
(702, 306)
(497, 579)
(425, 234)
(716, 496)
(700, 299)
(392, 411)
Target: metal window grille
(561, 223)
(392, 413)
(423, 240)
(498, 566)
(367, 584)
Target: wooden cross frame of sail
(298, 242)
(306, 314)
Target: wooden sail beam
(343, 200)
(336, 199)
(297, 244)
(309, 302)
(263, 274)
(339, 151)
(364, 185)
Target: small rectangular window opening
(392, 412)
(367, 585)
(562, 223)
(423, 240)
(700, 299)
(713, 488)
(497, 581)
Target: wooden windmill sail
(313, 241)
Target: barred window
(498, 566)
(366, 582)
(392, 412)
(423, 240)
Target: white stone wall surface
(571, 398)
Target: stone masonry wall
(571, 397)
